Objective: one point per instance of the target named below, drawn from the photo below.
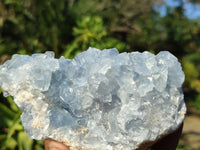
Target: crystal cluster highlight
(101, 100)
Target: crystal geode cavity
(98, 100)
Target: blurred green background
(71, 26)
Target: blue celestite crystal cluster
(98, 100)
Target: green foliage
(119, 15)
(191, 70)
(191, 67)
(89, 31)
(196, 103)
(34, 25)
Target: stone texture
(98, 100)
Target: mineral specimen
(98, 100)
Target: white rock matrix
(100, 100)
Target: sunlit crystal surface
(98, 100)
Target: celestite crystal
(99, 100)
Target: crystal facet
(98, 100)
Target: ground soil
(190, 139)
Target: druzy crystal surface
(98, 100)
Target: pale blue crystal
(98, 100)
